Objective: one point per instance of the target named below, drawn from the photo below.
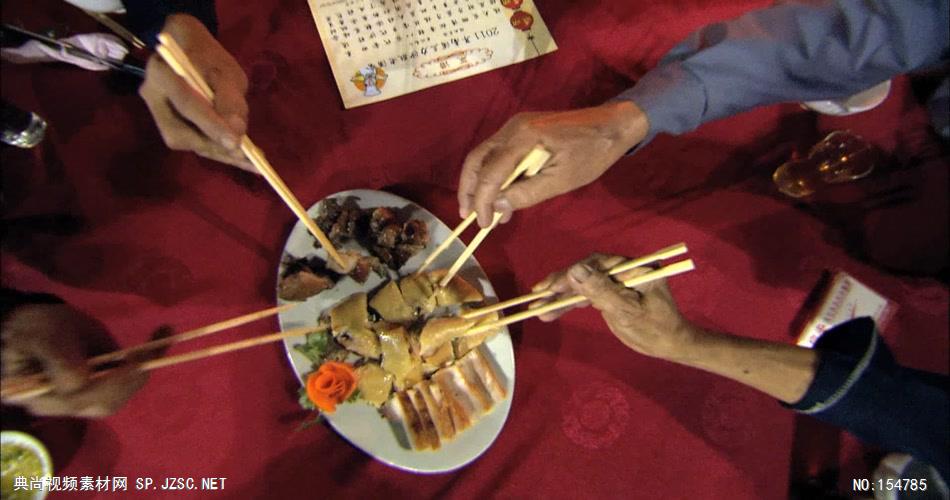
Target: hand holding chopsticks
(175, 57)
(529, 166)
(26, 387)
(631, 282)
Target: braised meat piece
(301, 285)
(380, 218)
(303, 278)
(340, 222)
(356, 265)
(382, 230)
(388, 236)
(416, 233)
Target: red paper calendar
(380, 49)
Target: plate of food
(418, 392)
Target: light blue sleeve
(791, 52)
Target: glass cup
(840, 157)
(22, 129)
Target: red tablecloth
(155, 237)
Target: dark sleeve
(858, 386)
(146, 17)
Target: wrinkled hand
(645, 319)
(584, 143)
(186, 120)
(56, 340)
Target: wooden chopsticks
(166, 341)
(663, 272)
(529, 166)
(666, 253)
(25, 387)
(176, 58)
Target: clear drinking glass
(23, 129)
(840, 157)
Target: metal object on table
(23, 129)
(73, 50)
(116, 28)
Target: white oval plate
(360, 423)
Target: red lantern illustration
(512, 4)
(522, 20)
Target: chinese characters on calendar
(380, 49)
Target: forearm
(790, 52)
(782, 371)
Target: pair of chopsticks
(29, 386)
(661, 273)
(175, 57)
(104, 19)
(529, 166)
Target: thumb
(603, 293)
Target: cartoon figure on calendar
(370, 80)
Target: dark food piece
(416, 233)
(303, 278)
(364, 265)
(339, 222)
(379, 230)
(380, 218)
(388, 236)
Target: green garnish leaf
(315, 347)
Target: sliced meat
(465, 344)
(429, 432)
(457, 291)
(374, 384)
(452, 386)
(418, 292)
(401, 410)
(442, 356)
(476, 388)
(491, 378)
(397, 356)
(389, 303)
(438, 411)
(302, 284)
(439, 331)
(460, 421)
(362, 341)
(350, 314)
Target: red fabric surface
(169, 238)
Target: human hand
(56, 340)
(644, 318)
(583, 144)
(186, 120)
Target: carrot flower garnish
(331, 385)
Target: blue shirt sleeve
(858, 386)
(790, 52)
(147, 17)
